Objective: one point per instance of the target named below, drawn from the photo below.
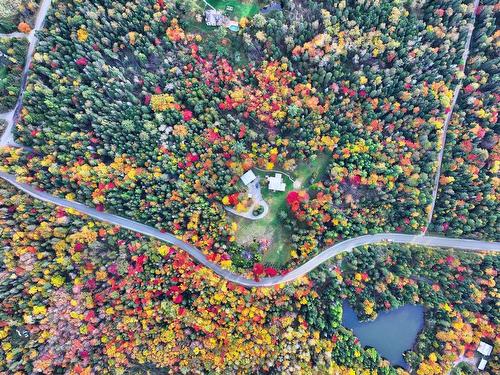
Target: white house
(248, 177)
(276, 182)
(484, 348)
(482, 364)
(214, 18)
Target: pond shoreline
(392, 333)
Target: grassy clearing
(240, 9)
(216, 39)
(312, 171)
(271, 227)
(194, 26)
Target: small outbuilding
(248, 177)
(276, 182)
(482, 364)
(484, 348)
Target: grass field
(240, 8)
(310, 172)
(266, 228)
(198, 27)
(271, 226)
(227, 45)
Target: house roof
(482, 364)
(276, 182)
(248, 177)
(214, 17)
(484, 348)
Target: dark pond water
(392, 333)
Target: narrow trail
(465, 56)
(326, 254)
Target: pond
(391, 334)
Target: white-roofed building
(276, 182)
(482, 364)
(248, 177)
(215, 18)
(484, 348)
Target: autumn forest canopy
(339, 109)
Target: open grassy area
(312, 171)
(247, 8)
(271, 226)
(194, 26)
(226, 43)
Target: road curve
(328, 253)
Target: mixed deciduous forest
(140, 108)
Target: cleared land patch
(271, 230)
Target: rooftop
(276, 182)
(482, 364)
(214, 18)
(484, 348)
(248, 177)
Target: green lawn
(240, 9)
(314, 169)
(271, 226)
(213, 37)
(197, 27)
